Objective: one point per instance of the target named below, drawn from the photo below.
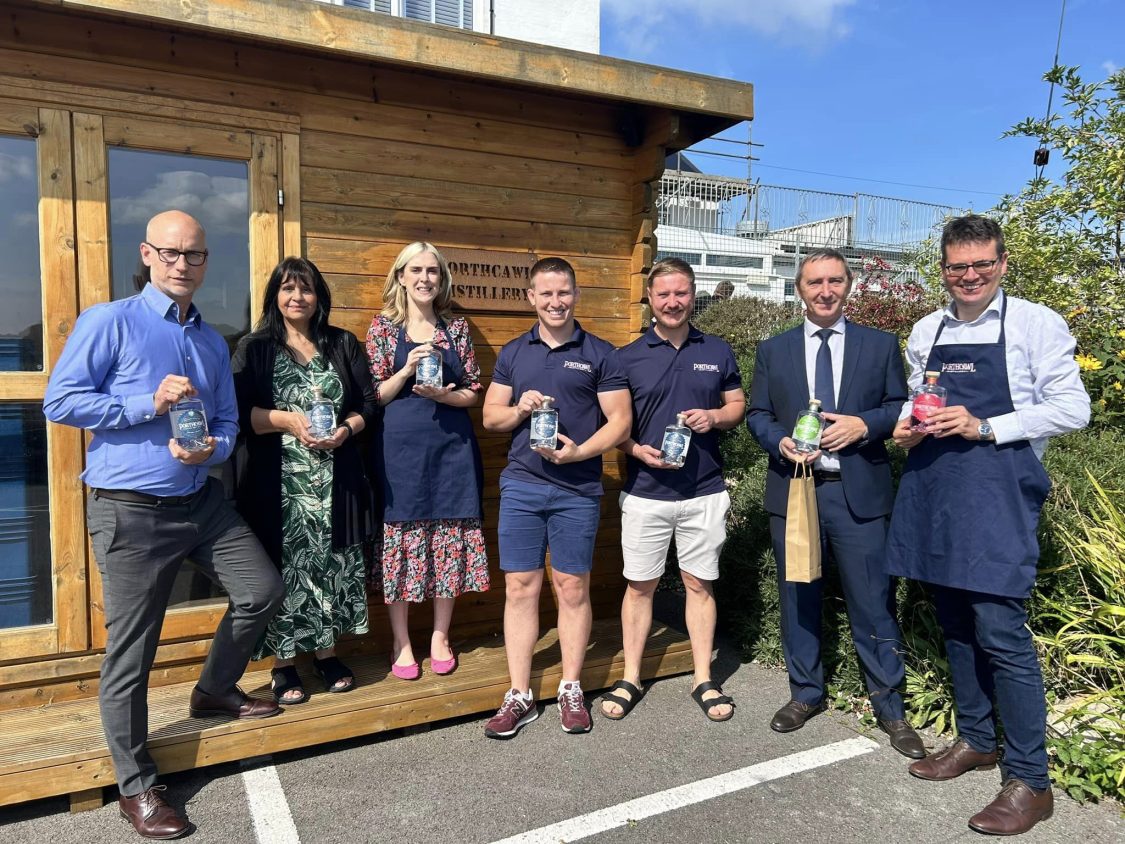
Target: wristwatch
(984, 430)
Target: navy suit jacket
(872, 387)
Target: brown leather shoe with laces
(955, 760)
(1017, 808)
(151, 816)
(235, 704)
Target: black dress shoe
(234, 704)
(793, 716)
(150, 816)
(903, 738)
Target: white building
(570, 24)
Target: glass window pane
(21, 318)
(215, 192)
(26, 596)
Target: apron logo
(959, 367)
(573, 364)
(706, 367)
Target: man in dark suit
(857, 374)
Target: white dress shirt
(1046, 389)
(826, 462)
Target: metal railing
(752, 236)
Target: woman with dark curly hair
(303, 491)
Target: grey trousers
(139, 548)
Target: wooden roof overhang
(688, 106)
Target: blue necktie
(823, 381)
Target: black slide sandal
(625, 704)
(709, 704)
(285, 679)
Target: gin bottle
(545, 425)
(927, 398)
(677, 439)
(810, 425)
(321, 415)
(429, 372)
(189, 424)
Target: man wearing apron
(968, 505)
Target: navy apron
(967, 511)
(431, 462)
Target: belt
(130, 497)
(826, 477)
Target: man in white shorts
(675, 369)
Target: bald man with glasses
(152, 504)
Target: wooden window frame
(265, 155)
(68, 628)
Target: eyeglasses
(982, 268)
(194, 257)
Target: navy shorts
(535, 516)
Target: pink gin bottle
(927, 398)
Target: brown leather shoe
(793, 716)
(151, 816)
(903, 738)
(234, 704)
(1017, 808)
(955, 760)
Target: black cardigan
(258, 459)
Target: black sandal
(711, 703)
(626, 704)
(331, 671)
(286, 679)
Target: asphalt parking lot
(664, 774)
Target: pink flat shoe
(443, 666)
(407, 672)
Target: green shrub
(1082, 641)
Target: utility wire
(1041, 153)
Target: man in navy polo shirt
(675, 369)
(552, 497)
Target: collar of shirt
(654, 339)
(575, 338)
(990, 312)
(164, 305)
(811, 328)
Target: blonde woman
(430, 467)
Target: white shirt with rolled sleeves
(1043, 376)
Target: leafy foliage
(1066, 237)
(885, 298)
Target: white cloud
(642, 25)
(16, 167)
(1110, 68)
(218, 202)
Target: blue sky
(914, 92)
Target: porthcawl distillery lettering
(486, 280)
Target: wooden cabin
(293, 127)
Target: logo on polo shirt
(706, 367)
(959, 367)
(574, 364)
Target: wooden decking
(59, 748)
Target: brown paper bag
(802, 528)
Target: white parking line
(273, 822)
(612, 817)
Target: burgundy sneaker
(572, 709)
(514, 713)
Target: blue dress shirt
(112, 363)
